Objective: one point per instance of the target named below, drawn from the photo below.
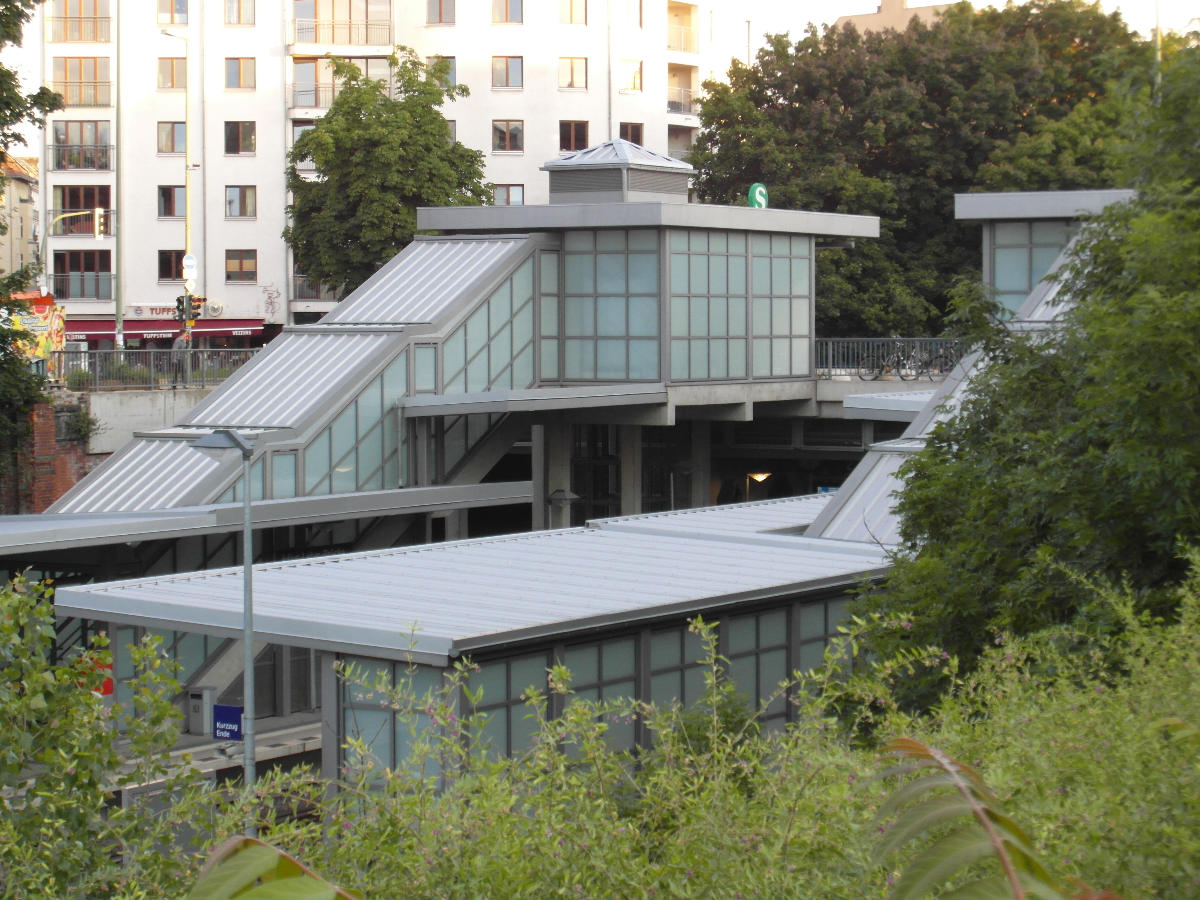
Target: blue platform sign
(227, 722)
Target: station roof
(1036, 204)
(433, 602)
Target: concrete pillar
(701, 460)
(558, 470)
(537, 444)
(629, 442)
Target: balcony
(83, 224)
(312, 96)
(84, 93)
(682, 38)
(82, 286)
(95, 157)
(78, 29)
(682, 100)
(305, 288)
(314, 31)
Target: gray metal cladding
(295, 377)
(146, 474)
(427, 278)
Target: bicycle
(936, 363)
(881, 360)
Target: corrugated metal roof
(292, 378)
(425, 279)
(447, 598)
(869, 513)
(784, 515)
(145, 474)
(616, 154)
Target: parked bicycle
(906, 360)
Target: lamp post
(97, 230)
(221, 440)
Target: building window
(172, 12)
(240, 201)
(82, 275)
(240, 137)
(506, 11)
(170, 265)
(82, 80)
(172, 137)
(172, 72)
(78, 198)
(508, 134)
(82, 145)
(508, 195)
(572, 12)
(453, 125)
(572, 135)
(239, 72)
(629, 76)
(172, 201)
(241, 265)
(572, 71)
(440, 12)
(239, 12)
(451, 77)
(507, 72)
(632, 132)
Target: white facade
(607, 68)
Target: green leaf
(939, 862)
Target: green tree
(893, 124)
(1074, 450)
(381, 150)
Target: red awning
(102, 329)
(89, 329)
(227, 327)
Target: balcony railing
(83, 29)
(314, 31)
(682, 38)
(126, 370)
(887, 358)
(679, 151)
(82, 286)
(681, 100)
(97, 157)
(305, 288)
(83, 224)
(84, 93)
(314, 96)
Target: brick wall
(51, 461)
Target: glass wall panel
(1021, 255)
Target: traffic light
(181, 307)
(197, 306)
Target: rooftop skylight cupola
(618, 171)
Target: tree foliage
(380, 151)
(1074, 454)
(893, 124)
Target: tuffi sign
(227, 722)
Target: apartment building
(171, 146)
(18, 212)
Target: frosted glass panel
(762, 357)
(426, 376)
(610, 273)
(643, 316)
(679, 240)
(737, 315)
(549, 316)
(578, 240)
(316, 461)
(800, 277)
(679, 273)
(1012, 270)
(610, 315)
(395, 380)
(699, 359)
(522, 369)
(343, 432)
(698, 316)
(523, 327)
(610, 241)
(737, 242)
(781, 281)
(477, 332)
(780, 356)
(500, 351)
(549, 273)
(580, 359)
(718, 274)
(643, 359)
(760, 244)
(610, 359)
(718, 316)
(698, 241)
(581, 275)
(550, 359)
(584, 663)
(699, 274)
(368, 408)
(1043, 259)
(283, 475)
(762, 275)
(737, 359)
(523, 283)
(718, 359)
(737, 274)
(618, 663)
(643, 273)
(679, 316)
(799, 356)
(454, 351)
(679, 359)
(370, 459)
(762, 316)
(581, 313)
(1012, 233)
(500, 305)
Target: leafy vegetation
(893, 124)
(382, 149)
(1073, 456)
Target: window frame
(439, 12)
(451, 76)
(244, 73)
(172, 15)
(636, 69)
(166, 256)
(245, 201)
(243, 12)
(174, 204)
(241, 257)
(508, 12)
(177, 80)
(507, 131)
(176, 129)
(508, 192)
(570, 81)
(568, 12)
(568, 134)
(504, 67)
(239, 133)
(627, 128)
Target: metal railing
(887, 358)
(305, 288)
(82, 285)
(129, 370)
(82, 224)
(84, 93)
(315, 31)
(314, 96)
(81, 156)
(681, 100)
(681, 37)
(86, 29)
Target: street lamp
(221, 440)
(97, 230)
